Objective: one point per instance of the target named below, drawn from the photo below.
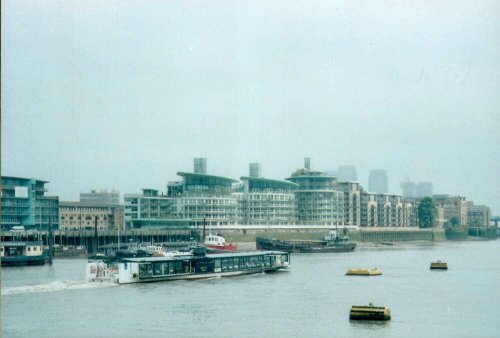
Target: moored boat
(331, 243)
(196, 266)
(217, 243)
(22, 253)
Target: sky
(124, 94)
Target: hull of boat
(24, 260)
(204, 276)
(222, 248)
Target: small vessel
(69, 251)
(331, 243)
(364, 272)
(22, 253)
(217, 243)
(369, 312)
(439, 265)
(196, 266)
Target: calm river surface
(311, 300)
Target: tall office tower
(307, 162)
(254, 170)
(103, 196)
(200, 165)
(347, 173)
(377, 181)
(424, 189)
(409, 188)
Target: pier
(87, 237)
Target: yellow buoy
(364, 272)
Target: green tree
(454, 221)
(427, 213)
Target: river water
(311, 300)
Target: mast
(50, 241)
(96, 238)
(203, 230)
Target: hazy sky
(124, 94)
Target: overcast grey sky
(123, 94)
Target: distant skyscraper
(200, 165)
(254, 170)
(424, 189)
(103, 197)
(377, 181)
(409, 188)
(307, 162)
(347, 173)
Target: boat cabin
(216, 240)
(11, 249)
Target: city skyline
(96, 95)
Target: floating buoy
(369, 312)
(363, 272)
(439, 265)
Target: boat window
(29, 248)
(224, 263)
(164, 268)
(157, 269)
(145, 270)
(185, 265)
(176, 267)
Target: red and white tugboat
(218, 244)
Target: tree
(454, 221)
(427, 213)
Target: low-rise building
(83, 215)
(453, 206)
(478, 215)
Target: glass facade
(150, 210)
(265, 202)
(24, 204)
(318, 199)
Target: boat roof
(221, 255)
(21, 243)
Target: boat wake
(53, 287)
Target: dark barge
(331, 243)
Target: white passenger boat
(198, 265)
